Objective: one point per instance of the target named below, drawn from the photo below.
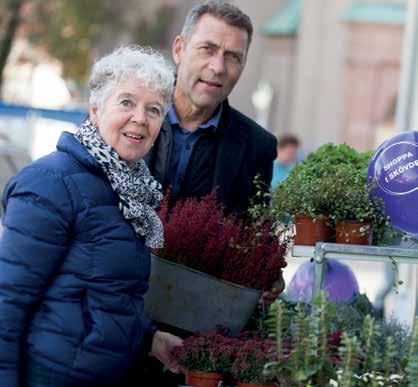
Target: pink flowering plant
(209, 352)
(199, 235)
(250, 357)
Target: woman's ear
(93, 109)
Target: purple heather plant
(199, 235)
(210, 352)
(250, 358)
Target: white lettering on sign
(397, 160)
(401, 169)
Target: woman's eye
(126, 103)
(154, 111)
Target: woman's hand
(163, 344)
(268, 298)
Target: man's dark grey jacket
(227, 159)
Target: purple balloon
(339, 282)
(394, 170)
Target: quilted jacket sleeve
(36, 228)
(149, 331)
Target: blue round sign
(394, 170)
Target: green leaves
(412, 367)
(332, 181)
(313, 186)
(311, 351)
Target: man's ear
(178, 46)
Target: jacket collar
(69, 144)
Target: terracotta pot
(354, 233)
(309, 230)
(203, 379)
(254, 385)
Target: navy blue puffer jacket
(72, 271)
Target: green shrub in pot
(332, 181)
(302, 194)
(310, 187)
(351, 201)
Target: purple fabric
(339, 282)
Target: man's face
(288, 153)
(210, 62)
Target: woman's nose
(138, 116)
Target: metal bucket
(195, 301)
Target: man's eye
(206, 49)
(234, 58)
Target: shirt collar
(213, 122)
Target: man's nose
(217, 63)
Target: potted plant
(213, 267)
(353, 210)
(310, 351)
(250, 357)
(206, 357)
(332, 181)
(358, 216)
(304, 196)
(307, 193)
(198, 234)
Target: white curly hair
(146, 64)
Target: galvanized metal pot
(195, 301)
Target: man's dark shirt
(183, 145)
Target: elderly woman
(78, 225)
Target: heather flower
(210, 352)
(334, 341)
(250, 358)
(199, 235)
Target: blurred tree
(154, 32)
(69, 29)
(10, 11)
(76, 31)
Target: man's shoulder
(238, 119)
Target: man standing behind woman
(78, 226)
(205, 143)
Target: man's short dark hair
(287, 139)
(221, 9)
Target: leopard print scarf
(139, 193)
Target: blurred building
(324, 70)
(333, 66)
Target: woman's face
(130, 119)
